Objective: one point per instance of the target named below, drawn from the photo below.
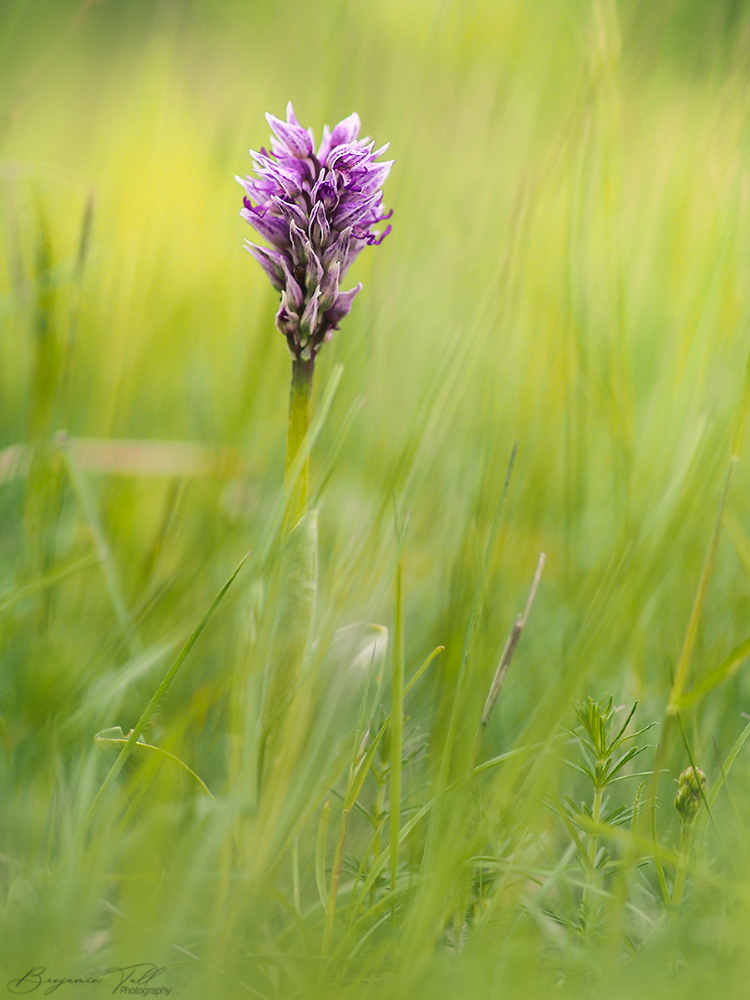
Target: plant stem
(397, 727)
(587, 902)
(378, 813)
(686, 839)
(300, 395)
(335, 877)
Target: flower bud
(329, 287)
(320, 227)
(287, 321)
(314, 272)
(299, 245)
(294, 295)
(690, 788)
(309, 318)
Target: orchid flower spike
(317, 211)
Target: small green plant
(604, 757)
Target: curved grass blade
(158, 695)
(726, 669)
(49, 579)
(175, 777)
(728, 764)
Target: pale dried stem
(510, 645)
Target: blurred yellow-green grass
(568, 269)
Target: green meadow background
(569, 268)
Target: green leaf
(165, 773)
(726, 669)
(291, 637)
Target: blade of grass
(683, 662)
(726, 669)
(320, 854)
(158, 695)
(729, 763)
(397, 718)
(16, 594)
(478, 603)
(111, 577)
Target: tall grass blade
(132, 738)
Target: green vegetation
(569, 269)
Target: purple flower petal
(346, 157)
(325, 145)
(271, 261)
(342, 306)
(375, 177)
(300, 245)
(351, 212)
(294, 295)
(337, 252)
(290, 211)
(287, 321)
(274, 230)
(296, 140)
(314, 273)
(346, 131)
(329, 287)
(320, 227)
(290, 116)
(309, 319)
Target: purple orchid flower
(318, 212)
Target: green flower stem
(300, 407)
(686, 840)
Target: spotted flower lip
(317, 211)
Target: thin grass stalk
(335, 879)
(686, 840)
(104, 553)
(683, 663)
(691, 632)
(477, 605)
(397, 726)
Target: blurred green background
(568, 268)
